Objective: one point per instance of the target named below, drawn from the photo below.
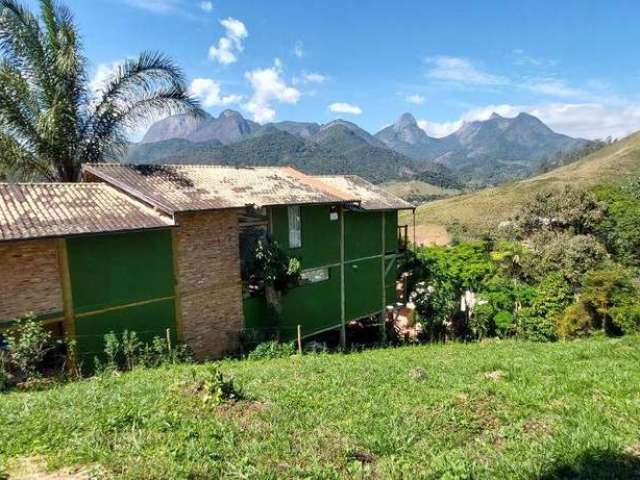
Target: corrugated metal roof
(35, 210)
(207, 187)
(371, 196)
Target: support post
(69, 322)
(176, 284)
(343, 326)
(383, 329)
(299, 340)
(414, 229)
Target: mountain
(487, 152)
(229, 127)
(405, 136)
(272, 146)
(479, 211)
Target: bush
(216, 389)
(626, 318)
(27, 345)
(537, 321)
(272, 349)
(574, 322)
(504, 323)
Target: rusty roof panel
(36, 210)
(371, 196)
(207, 187)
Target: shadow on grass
(597, 464)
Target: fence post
(299, 340)
(169, 340)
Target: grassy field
(416, 189)
(486, 410)
(479, 211)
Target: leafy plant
(217, 389)
(131, 348)
(574, 322)
(51, 121)
(272, 349)
(27, 345)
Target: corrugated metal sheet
(207, 187)
(35, 210)
(371, 196)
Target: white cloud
(522, 58)
(585, 120)
(156, 6)
(298, 49)
(103, 73)
(554, 88)
(206, 6)
(228, 46)
(342, 107)
(268, 87)
(314, 77)
(415, 99)
(461, 70)
(208, 91)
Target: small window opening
(295, 230)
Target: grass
(480, 211)
(487, 410)
(414, 190)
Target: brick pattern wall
(209, 285)
(30, 278)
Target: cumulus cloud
(461, 70)
(209, 93)
(232, 43)
(585, 120)
(342, 107)
(268, 87)
(415, 99)
(206, 6)
(298, 49)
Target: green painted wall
(317, 306)
(363, 234)
(148, 321)
(108, 270)
(116, 270)
(314, 306)
(320, 235)
(363, 288)
(391, 231)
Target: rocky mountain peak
(406, 120)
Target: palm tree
(50, 120)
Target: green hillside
(479, 211)
(499, 409)
(416, 191)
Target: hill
(479, 211)
(508, 409)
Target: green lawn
(486, 410)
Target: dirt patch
(495, 376)
(35, 468)
(418, 374)
(538, 427)
(430, 234)
(633, 450)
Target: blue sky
(572, 63)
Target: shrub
(216, 389)
(27, 345)
(626, 317)
(605, 289)
(272, 349)
(504, 323)
(537, 320)
(574, 322)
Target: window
(295, 232)
(315, 275)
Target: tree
(50, 120)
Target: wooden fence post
(299, 340)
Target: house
(151, 248)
